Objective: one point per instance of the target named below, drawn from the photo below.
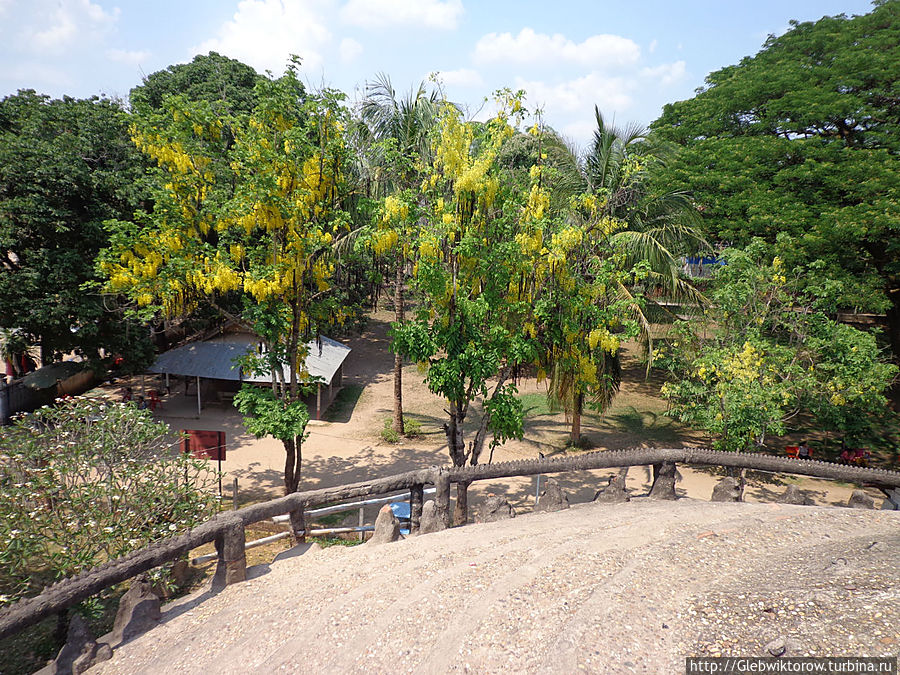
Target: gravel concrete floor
(629, 588)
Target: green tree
(631, 239)
(798, 145)
(474, 277)
(65, 167)
(772, 358)
(227, 84)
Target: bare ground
(603, 589)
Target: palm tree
(655, 228)
(659, 226)
(404, 123)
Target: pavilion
(215, 361)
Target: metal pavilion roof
(215, 359)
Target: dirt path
(603, 589)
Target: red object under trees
(203, 444)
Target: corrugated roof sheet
(216, 359)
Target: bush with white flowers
(82, 482)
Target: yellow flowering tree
(250, 236)
(615, 245)
(582, 314)
(476, 280)
(771, 361)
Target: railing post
(663, 481)
(298, 525)
(416, 499)
(442, 496)
(231, 566)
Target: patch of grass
(342, 407)
(412, 428)
(331, 519)
(536, 404)
(584, 443)
(645, 424)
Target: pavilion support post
(319, 401)
(199, 407)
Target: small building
(213, 366)
(43, 386)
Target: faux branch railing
(227, 529)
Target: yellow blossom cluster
(395, 210)
(745, 366)
(606, 340)
(384, 240)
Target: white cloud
(264, 33)
(580, 132)
(349, 49)
(128, 57)
(52, 27)
(463, 77)
(666, 73)
(653, 45)
(580, 94)
(529, 47)
(30, 73)
(442, 14)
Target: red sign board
(203, 444)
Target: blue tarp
(704, 260)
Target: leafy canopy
(799, 146)
(772, 358)
(65, 167)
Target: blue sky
(629, 58)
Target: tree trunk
(461, 509)
(476, 446)
(298, 465)
(455, 443)
(46, 354)
(576, 419)
(398, 359)
(291, 471)
(893, 322)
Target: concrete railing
(227, 530)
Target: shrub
(388, 435)
(82, 482)
(412, 428)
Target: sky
(627, 58)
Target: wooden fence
(226, 530)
